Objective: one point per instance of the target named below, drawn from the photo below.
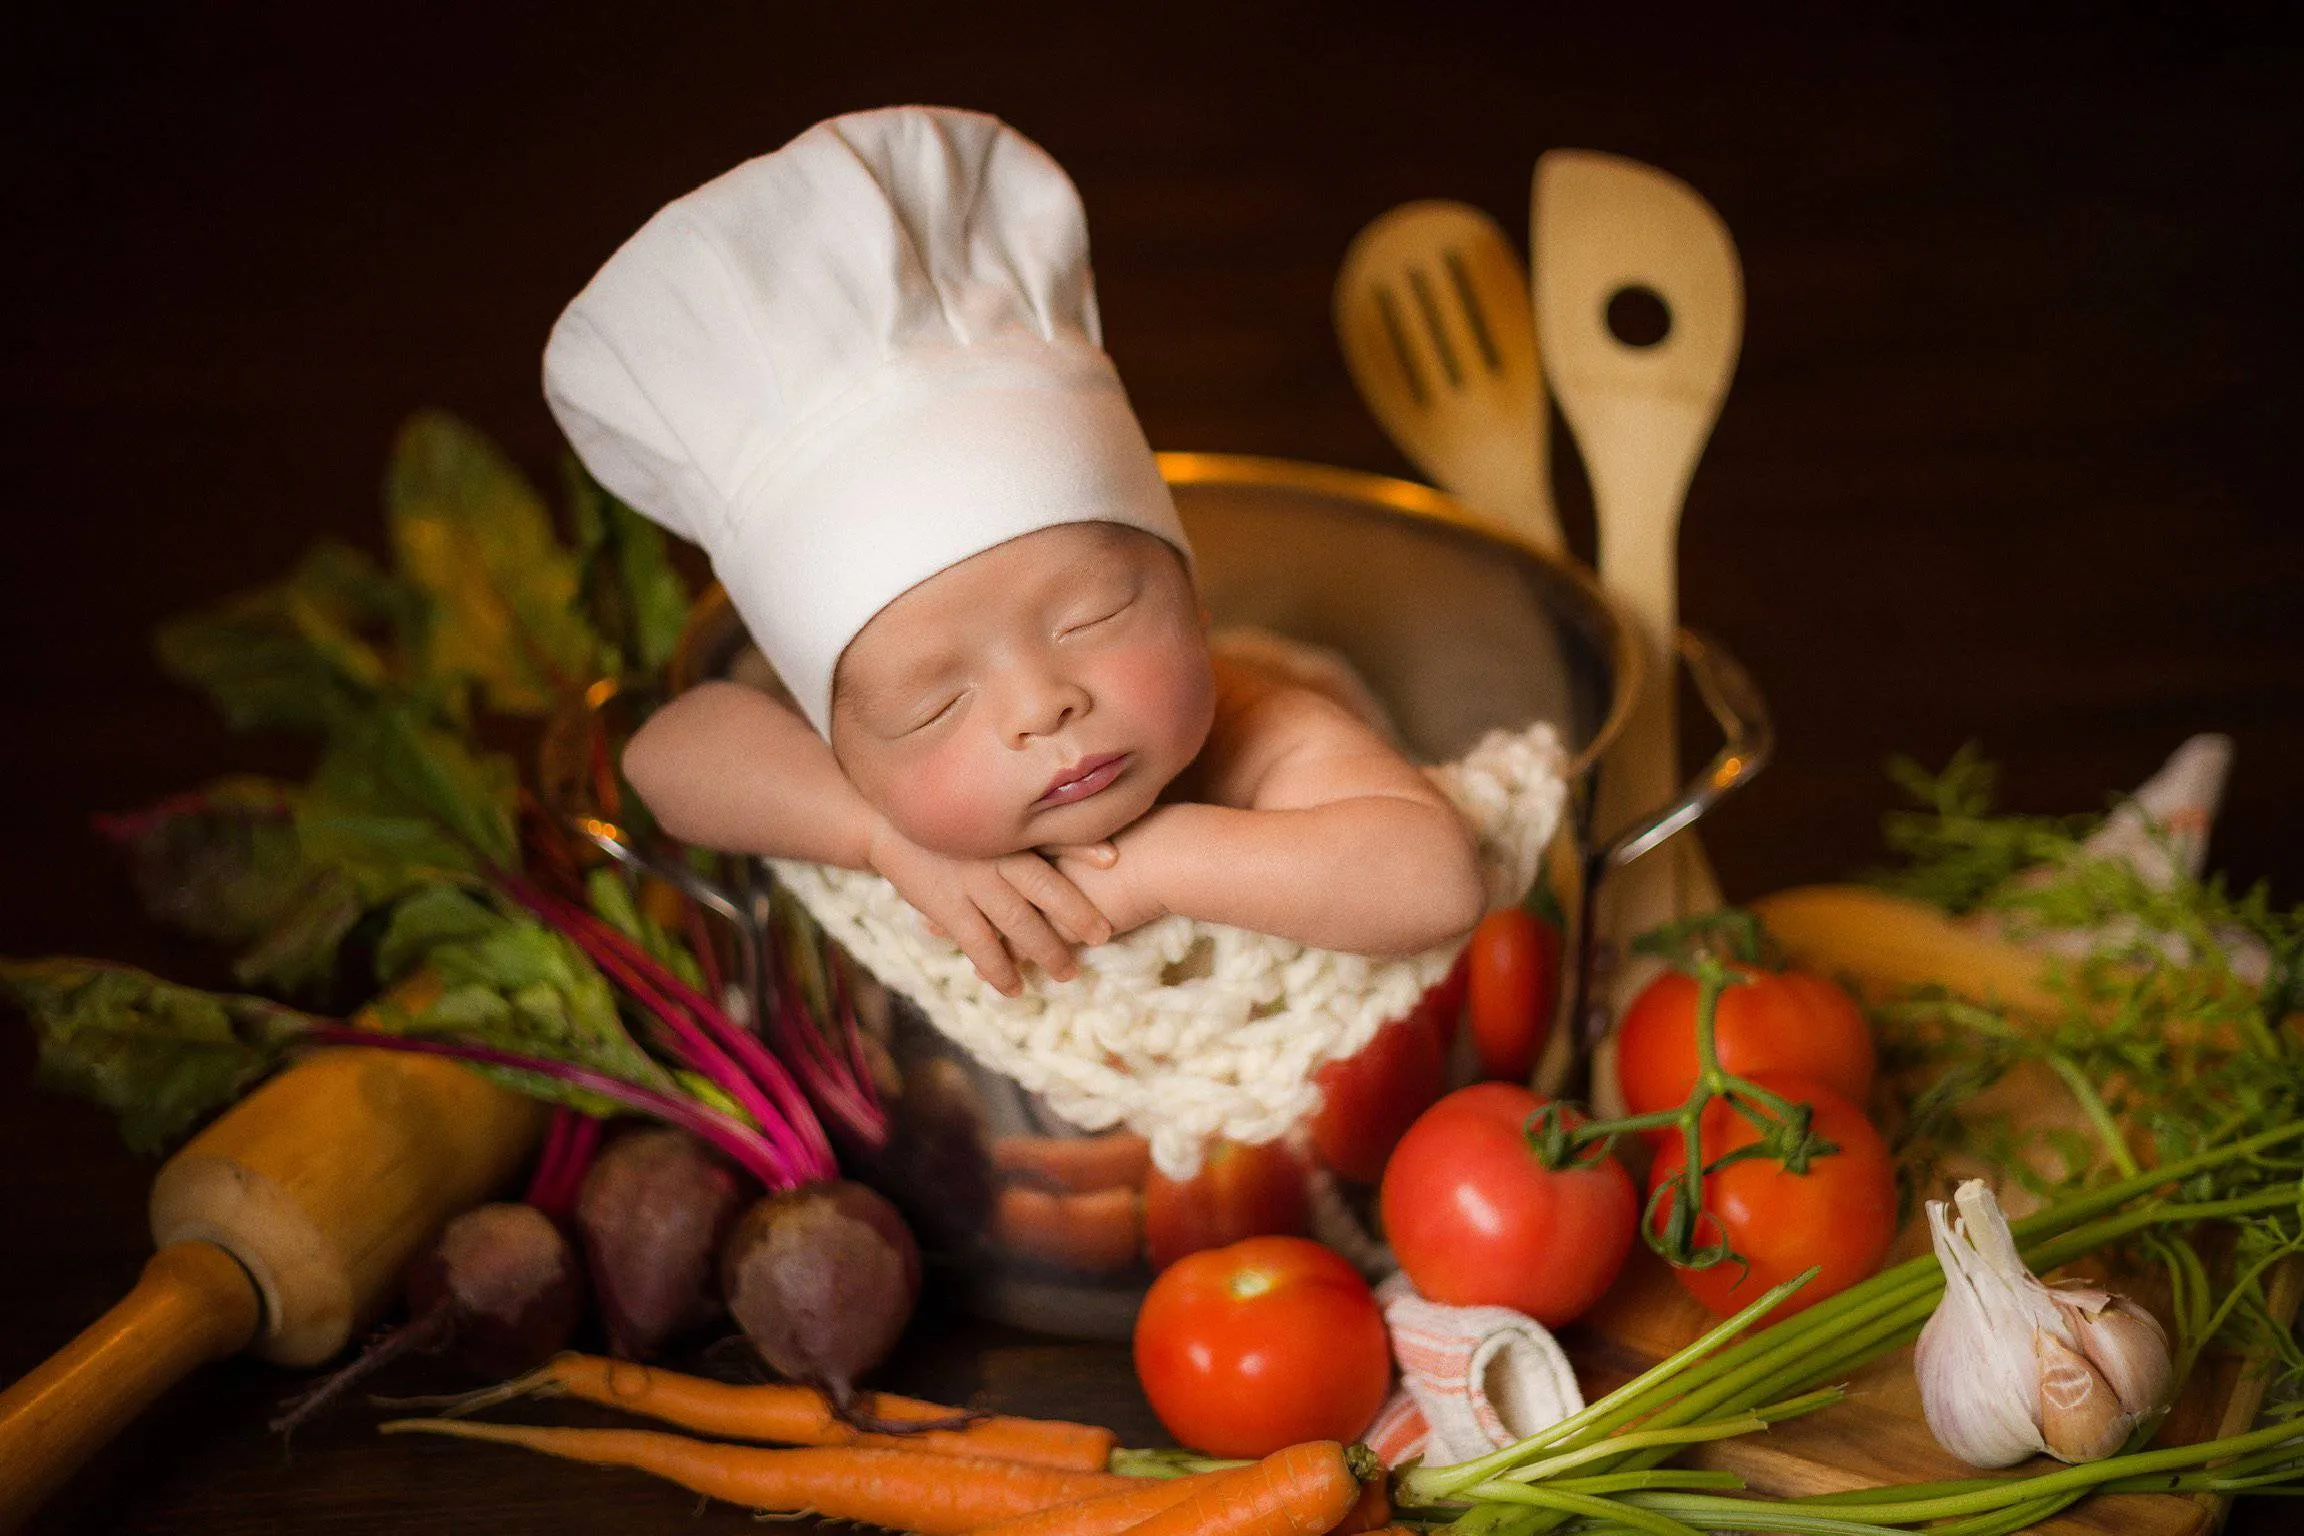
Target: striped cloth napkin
(1472, 1379)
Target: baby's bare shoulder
(1278, 744)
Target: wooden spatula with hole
(282, 1226)
(1607, 229)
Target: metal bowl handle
(1748, 739)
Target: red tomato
(1514, 987)
(1448, 996)
(1368, 1101)
(1780, 1021)
(1475, 1218)
(1240, 1191)
(1841, 1213)
(1246, 1349)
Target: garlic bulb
(2010, 1367)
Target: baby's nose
(1045, 705)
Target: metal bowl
(1458, 628)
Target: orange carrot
(902, 1490)
(794, 1415)
(1111, 1513)
(1079, 1164)
(1098, 1233)
(1301, 1491)
(1371, 1512)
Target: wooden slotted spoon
(1605, 226)
(1432, 310)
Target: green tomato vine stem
(1673, 1217)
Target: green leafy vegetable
(397, 804)
(161, 1056)
(511, 983)
(224, 863)
(301, 653)
(1957, 851)
(637, 601)
(611, 897)
(469, 531)
(408, 834)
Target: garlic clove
(2080, 1415)
(2127, 1346)
(1967, 1412)
(1977, 1371)
(2009, 1367)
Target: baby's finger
(1103, 855)
(1050, 890)
(980, 942)
(1028, 931)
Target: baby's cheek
(1168, 691)
(943, 802)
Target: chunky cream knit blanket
(1184, 1030)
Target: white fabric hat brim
(998, 441)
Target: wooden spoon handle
(193, 1304)
(1640, 414)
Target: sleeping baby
(864, 372)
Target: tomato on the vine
(1264, 1344)
(1241, 1191)
(1840, 1213)
(1368, 1101)
(1767, 1021)
(1514, 976)
(1475, 1217)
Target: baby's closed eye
(1079, 625)
(1099, 606)
(934, 712)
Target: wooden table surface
(2009, 457)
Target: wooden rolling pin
(282, 1226)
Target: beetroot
(822, 1281)
(498, 1293)
(652, 1213)
(511, 1281)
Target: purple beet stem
(826, 1076)
(552, 1159)
(583, 1147)
(616, 953)
(747, 1147)
(568, 1150)
(707, 1038)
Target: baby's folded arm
(725, 766)
(1370, 874)
(1325, 835)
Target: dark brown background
(2009, 456)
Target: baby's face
(1043, 692)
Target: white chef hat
(847, 365)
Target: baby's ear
(1207, 620)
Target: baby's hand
(1107, 877)
(999, 911)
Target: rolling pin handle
(193, 1304)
